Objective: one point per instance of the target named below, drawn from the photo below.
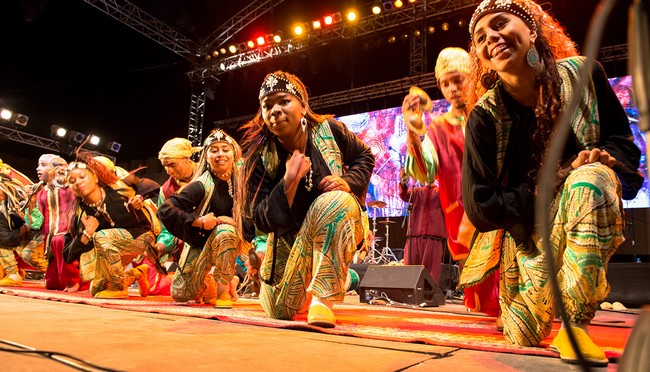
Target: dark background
(65, 62)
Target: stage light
(94, 140)
(222, 66)
(232, 49)
(6, 114)
(398, 3)
(316, 25)
(223, 50)
(113, 146)
(417, 33)
(376, 9)
(268, 38)
(336, 17)
(21, 120)
(277, 37)
(461, 23)
(76, 137)
(215, 53)
(404, 36)
(431, 29)
(388, 6)
(241, 47)
(328, 20)
(445, 26)
(250, 44)
(392, 39)
(351, 16)
(301, 29)
(58, 131)
(207, 57)
(412, 1)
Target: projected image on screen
(384, 132)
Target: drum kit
(385, 255)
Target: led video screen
(384, 132)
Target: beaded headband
(509, 6)
(274, 83)
(79, 165)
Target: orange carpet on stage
(435, 326)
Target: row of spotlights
(61, 133)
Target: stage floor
(135, 341)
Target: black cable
(552, 158)
(56, 356)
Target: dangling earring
(532, 57)
(489, 79)
(303, 124)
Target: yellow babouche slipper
(223, 301)
(593, 354)
(143, 280)
(108, 293)
(321, 316)
(8, 281)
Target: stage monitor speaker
(411, 284)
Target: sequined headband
(509, 6)
(219, 136)
(79, 165)
(274, 83)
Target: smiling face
(453, 86)
(282, 113)
(220, 157)
(501, 41)
(82, 182)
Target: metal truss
(235, 24)
(418, 56)
(613, 53)
(148, 26)
(365, 26)
(385, 89)
(44, 143)
(197, 110)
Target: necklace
(308, 178)
(229, 180)
(99, 202)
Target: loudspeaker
(629, 283)
(411, 284)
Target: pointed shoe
(143, 280)
(8, 281)
(106, 294)
(593, 354)
(321, 316)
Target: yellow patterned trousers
(586, 230)
(114, 249)
(318, 260)
(220, 250)
(32, 252)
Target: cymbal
(376, 204)
(413, 118)
(385, 222)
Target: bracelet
(85, 233)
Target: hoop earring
(532, 57)
(489, 79)
(303, 124)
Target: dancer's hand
(332, 183)
(593, 156)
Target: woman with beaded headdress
(525, 68)
(307, 176)
(108, 228)
(201, 214)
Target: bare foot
(72, 287)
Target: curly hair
(552, 44)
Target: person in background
(15, 233)
(176, 157)
(425, 232)
(201, 214)
(306, 180)
(528, 69)
(108, 229)
(55, 202)
(439, 157)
